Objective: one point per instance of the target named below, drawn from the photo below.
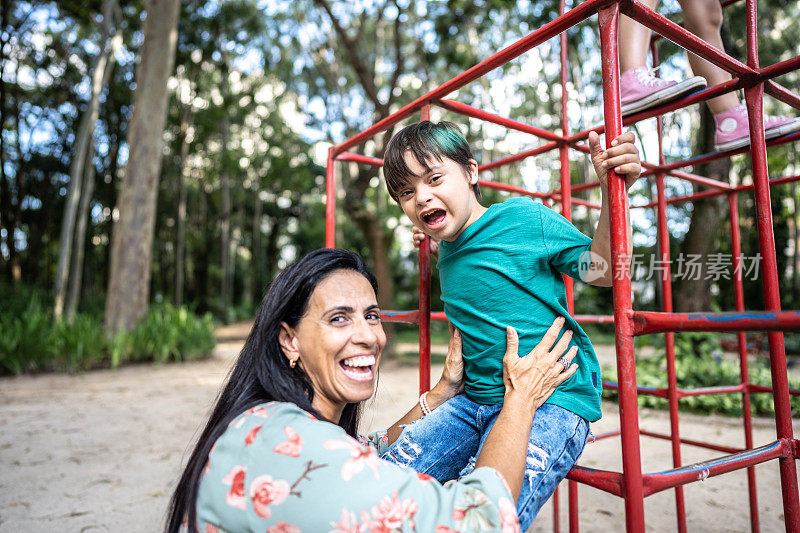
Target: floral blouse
(278, 469)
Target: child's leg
(557, 440)
(440, 444)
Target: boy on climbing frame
(501, 266)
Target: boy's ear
(473, 172)
(289, 344)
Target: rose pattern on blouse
(251, 435)
(235, 478)
(293, 444)
(278, 454)
(360, 456)
(265, 491)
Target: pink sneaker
(733, 129)
(641, 90)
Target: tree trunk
(271, 263)
(225, 190)
(5, 189)
(132, 243)
(83, 141)
(692, 294)
(79, 244)
(257, 283)
(180, 230)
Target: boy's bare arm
(623, 158)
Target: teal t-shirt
(505, 270)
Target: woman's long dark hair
(262, 372)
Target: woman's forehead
(343, 288)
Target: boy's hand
(622, 158)
(419, 236)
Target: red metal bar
(594, 319)
(658, 481)
(707, 194)
(424, 319)
(646, 322)
(330, 201)
(518, 157)
(545, 33)
(618, 200)
(468, 110)
(566, 211)
(779, 69)
(738, 290)
(666, 304)
(699, 444)
(358, 158)
(754, 99)
(510, 188)
(576, 201)
(783, 94)
(604, 480)
(686, 176)
(684, 38)
(574, 520)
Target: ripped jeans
(445, 443)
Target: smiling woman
(280, 451)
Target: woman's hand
(419, 236)
(532, 379)
(452, 380)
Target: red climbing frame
(631, 484)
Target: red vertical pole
(618, 202)
(736, 249)
(330, 202)
(574, 521)
(669, 337)
(766, 242)
(424, 316)
(566, 211)
(563, 155)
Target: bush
(33, 342)
(166, 333)
(698, 363)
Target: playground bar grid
(632, 484)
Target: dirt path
(100, 451)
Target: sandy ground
(100, 451)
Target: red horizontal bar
(358, 158)
(646, 322)
(604, 480)
(761, 388)
(706, 194)
(713, 156)
(572, 17)
(510, 188)
(594, 319)
(705, 391)
(410, 317)
(474, 112)
(694, 178)
(700, 444)
(658, 481)
(783, 94)
(518, 157)
(778, 69)
(577, 201)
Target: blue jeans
(445, 443)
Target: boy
(500, 266)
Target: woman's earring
(293, 363)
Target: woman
(279, 453)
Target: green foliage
(698, 363)
(33, 342)
(167, 333)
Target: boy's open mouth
(434, 217)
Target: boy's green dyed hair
(426, 140)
